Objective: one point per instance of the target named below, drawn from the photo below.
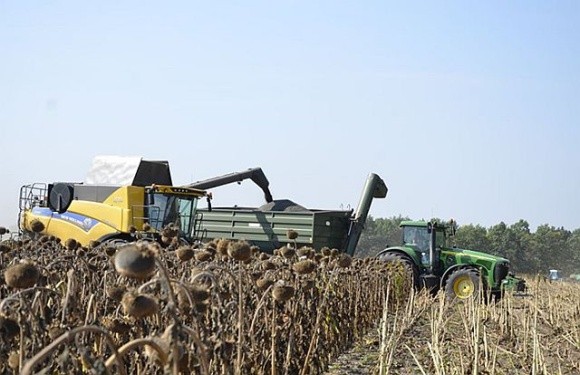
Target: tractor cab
(417, 235)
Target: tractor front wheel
(463, 284)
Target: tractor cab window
(440, 239)
(419, 237)
(416, 236)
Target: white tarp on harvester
(113, 170)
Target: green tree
(552, 247)
(472, 237)
(574, 248)
(379, 234)
(520, 246)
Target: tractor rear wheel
(463, 284)
(411, 273)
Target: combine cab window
(187, 209)
(172, 209)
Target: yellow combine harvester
(121, 196)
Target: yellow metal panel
(67, 225)
(130, 200)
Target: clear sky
(466, 109)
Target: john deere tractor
(430, 263)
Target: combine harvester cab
(120, 197)
(431, 263)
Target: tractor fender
(452, 269)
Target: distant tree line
(529, 252)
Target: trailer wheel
(463, 284)
(409, 268)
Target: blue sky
(466, 109)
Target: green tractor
(430, 263)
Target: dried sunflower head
(240, 250)
(22, 275)
(139, 305)
(282, 293)
(134, 261)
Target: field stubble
(534, 333)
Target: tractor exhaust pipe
(433, 253)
